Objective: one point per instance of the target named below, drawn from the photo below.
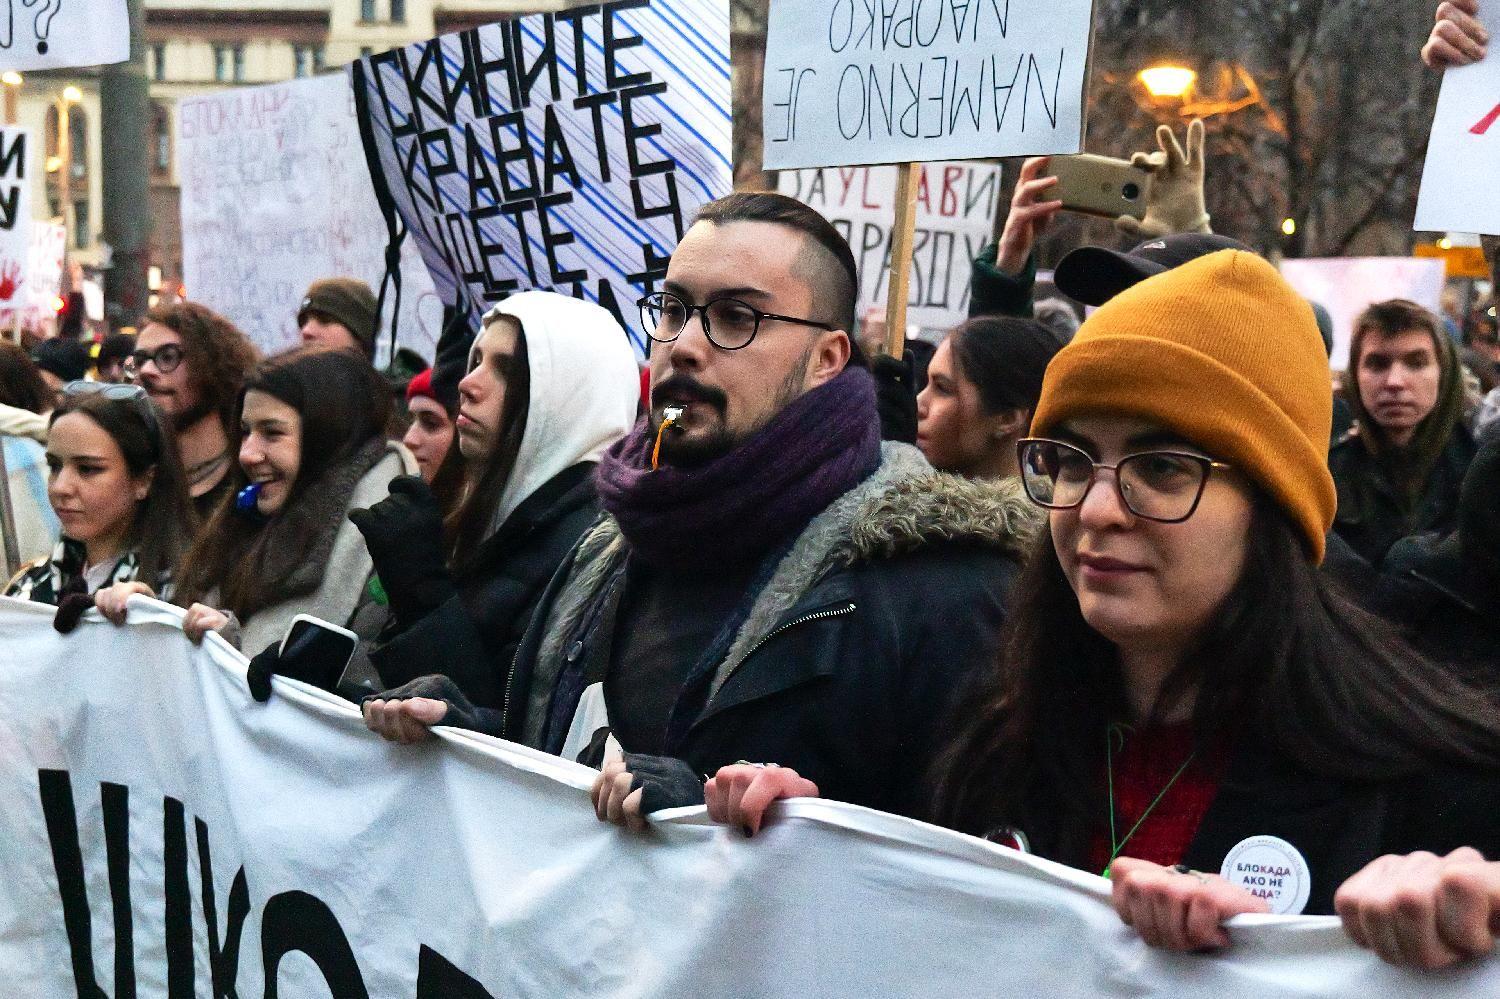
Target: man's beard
(680, 451)
(185, 419)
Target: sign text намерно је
(891, 81)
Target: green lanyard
(1117, 845)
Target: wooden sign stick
(899, 280)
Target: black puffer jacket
(1371, 517)
(472, 638)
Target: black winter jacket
(472, 638)
(1370, 516)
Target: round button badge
(1269, 867)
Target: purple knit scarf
(739, 506)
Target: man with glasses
(193, 362)
(771, 581)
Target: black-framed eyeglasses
(167, 357)
(729, 323)
(1164, 486)
(119, 392)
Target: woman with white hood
(552, 382)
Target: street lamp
(1289, 227)
(1167, 80)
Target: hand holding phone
(1100, 185)
(316, 652)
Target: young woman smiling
(118, 491)
(1181, 689)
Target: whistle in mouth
(670, 415)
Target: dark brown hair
(165, 519)
(21, 382)
(219, 357)
(1005, 358)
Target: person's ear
(143, 483)
(1010, 424)
(829, 358)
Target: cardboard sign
(17, 161)
(955, 217)
(1458, 190)
(56, 34)
(275, 195)
(565, 152)
(854, 81)
(1346, 286)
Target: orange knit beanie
(1222, 351)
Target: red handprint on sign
(10, 279)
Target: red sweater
(1143, 766)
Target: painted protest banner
(16, 166)
(853, 81)
(43, 278)
(275, 194)
(955, 218)
(1458, 193)
(1346, 286)
(166, 835)
(57, 34)
(561, 151)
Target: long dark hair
(21, 382)
(165, 519)
(344, 406)
(1320, 681)
(470, 524)
(1005, 358)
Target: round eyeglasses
(729, 323)
(1164, 486)
(167, 357)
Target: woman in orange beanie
(1184, 704)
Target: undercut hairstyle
(219, 357)
(829, 265)
(21, 382)
(1005, 359)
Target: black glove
(461, 712)
(305, 665)
(72, 601)
(664, 782)
(896, 397)
(404, 533)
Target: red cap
(420, 385)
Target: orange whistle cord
(656, 451)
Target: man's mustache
(685, 388)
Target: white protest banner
(559, 151)
(1346, 286)
(854, 81)
(955, 218)
(1458, 190)
(57, 34)
(275, 195)
(16, 166)
(166, 835)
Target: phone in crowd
(1099, 185)
(325, 648)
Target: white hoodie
(585, 388)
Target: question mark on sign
(43, 22)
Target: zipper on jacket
(818, 615)
(510, 680)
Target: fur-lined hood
(940, 507)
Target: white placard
(275, 194)
(1459, 192)
(1346, 286)
(17, 163)
(57, 34)
(859, 81)
(955, 218)
(143, 788)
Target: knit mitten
(1174, 199)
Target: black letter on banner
(437, 169)
(556, 156)
(546, 59)
(14, 158)
(608, 301)
(521, 154)
(295, 921)
(466, 80)
(635, 132)
(480, 178)
(575, 16)
(671, 207)
(612, 46)
(595, 103)
(223, 963)
(178, 919)
(655, 269)
(429, 56)
(378, 65)
(484, 68)
(494, 287)
(55, 788)
(517, 211)
(553, 239)
(437, 978)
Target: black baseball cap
(1093, 275)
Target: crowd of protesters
(1120, 594)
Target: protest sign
(16, 166)
(559, 151)
(57, 34)
(166, 835)
(275, 195)
(955, 218)
(1458, 192)
(850, 81)
(1346, 286)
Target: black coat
(1371, 518)
(472, 638)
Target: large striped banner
(558, 151)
